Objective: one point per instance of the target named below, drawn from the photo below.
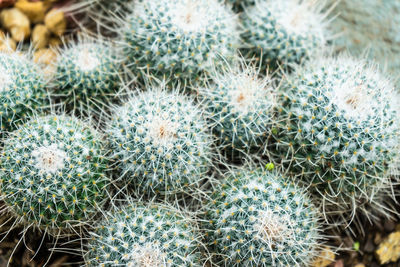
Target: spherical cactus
(53, 173)
(339, 130)
(87, 74)
(240, 108)
(179, 39)
(368, 28)
(160, 141)
(22, 89)
(256, 219)
(282, 32)
(145, 236)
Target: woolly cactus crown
(179, 39)
(340, 130)
(256, 219)
(22, 89)
(286, 31)
(53, 173)
(146, 236)
(87, 74)
(160, 141)
(240, 107)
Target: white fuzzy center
(273, 227)
(146, 256)
(49, 158)
(190, 16)
(162, 130)
(87, 60)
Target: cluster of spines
(339, 130)
(255, 218)
(145, 235)
(179, 39)
(161, 142)
(53, 173)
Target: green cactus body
(179, 39)
(87, 74)
(22, 90)
(240, 108)
(53, 173)
(160, 141)
(283, 31)
(339, 130)
(256, 219)
(147, 236)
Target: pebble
(389, 249)
(55, 21)
(40, 36)
(35, 11)
(325, 258)
(6, 43)
(16, 22)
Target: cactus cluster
(160, 141)
(87, 74)
(179, 39)
(22, 90)
(145, 235)
(240, 108)
(53, 173)
(283, 32)
(340, 130)
(255, 218)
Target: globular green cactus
(22, 89)
(369, 28)
(255, 218)
(147, 236)
(179, 39)
(53, 173)
(240, 108)
(339, 131)
(87, 74)
(160, 141)
(283, 31)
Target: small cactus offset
(240, 108)
(283, 31)
(256, 219)
(22, 90)
(53, 173)
(340, 130)
(179, 39)
(87, 74)
(145, 236)
(160, 141)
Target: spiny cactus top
(22, 89)
(160, 141)
(340, 128)
(179, 39)
(283, 31)
(87, 74)
(53, 172)
(144, 236)
(256, 219)
(240, 108)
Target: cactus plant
(87, 74)
(138, 235)
(283, 32)
(255, 218)
(369, 28)
(179, 39)
(22, 89)
(340, 130)
(53, 173)
(240, 108)
(160, 141)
